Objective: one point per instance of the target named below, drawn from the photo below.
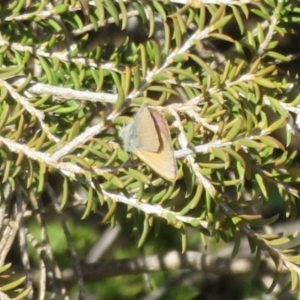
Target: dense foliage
(225, 78)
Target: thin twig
(79, 275)
(48, 262)
(61, 93)
(190, 260)
(30, 108)
(152, 209)
(20, 208)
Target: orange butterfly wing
(162, 161)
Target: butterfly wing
(163, 161)
(147, 137)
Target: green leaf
(194, 201)
(109, 5)
(238, 19)
(261, 184)
(284, 240)
(110, 215)
(220, 23)
(12, 285)
(138, 175)
(236, 126)
(237, 242)
(293, 259)
(5, 267)
(112, 182)
(294, 279)
(265, 83)
(249, 143)
(272, 142)
(146, 230)
(281, 122)
(171, 218)
(183, 238)
(23, 294)
(89, 203)
(65, 192)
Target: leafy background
(77, 214)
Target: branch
(61, 93)
(190, 260)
